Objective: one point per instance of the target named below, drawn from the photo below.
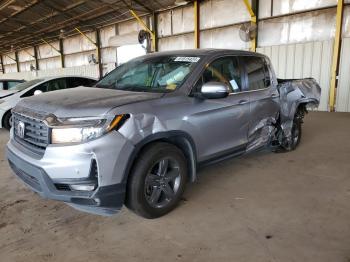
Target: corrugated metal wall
(343, 92)
(299, 28)
(88, 70)
(219, 28)
(312, 59)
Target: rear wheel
(296, 132)
(157, 180)
(290, 144)
(7, 120)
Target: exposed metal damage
(296, 96)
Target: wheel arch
(180, 139)
(306, 102)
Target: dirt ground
(261, 207)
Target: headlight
(83, 130)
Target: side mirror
(215, 90)
(38, 92)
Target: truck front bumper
(53, 175)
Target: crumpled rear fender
(293, 93)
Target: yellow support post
(84, 35)
(54, 48)
(196, 24)
(153, 35)
(336, 55)
(253, 20)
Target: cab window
(225, 70)
(257, 72)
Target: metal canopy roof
(25, 23)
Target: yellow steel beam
(196, 24)
(92, 42)
(86, 36)
(57, 50)
(336, 55)
(54, 48)
(28, 53)
(153, 35)
(253, 20)
(13, 59)
(249, 7)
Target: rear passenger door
(263, 96)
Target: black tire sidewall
(6, 121)
(136, 199)
(296, 125)
(283, 148)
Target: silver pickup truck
(140, 134)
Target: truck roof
(205, 52)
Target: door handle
(274, 95)
(242, 102)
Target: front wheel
(157, 180)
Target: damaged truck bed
(142, 131)
(296, 96)
(283, 131)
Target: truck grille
(35, 136)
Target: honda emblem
(21, 129)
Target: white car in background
(8, 84)
(9, 98)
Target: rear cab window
(257, 72)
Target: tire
(294, 142)
(157, 180)
(6, 121)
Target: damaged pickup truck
(140, 134)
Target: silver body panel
(73, 162)
(239, 123)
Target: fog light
(83, 187)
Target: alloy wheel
(162, 182)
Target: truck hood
(82, 101)
(6, 93)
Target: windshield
(159, 74)
(25, 85)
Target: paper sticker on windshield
(190, 59)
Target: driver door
(222, 124)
